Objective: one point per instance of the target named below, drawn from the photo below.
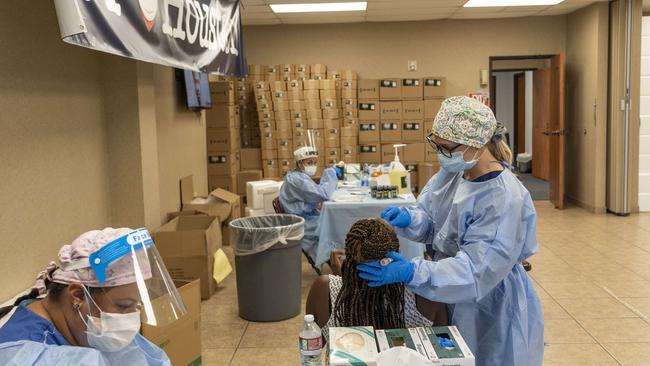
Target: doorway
(526, 95)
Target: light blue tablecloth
(336, 218)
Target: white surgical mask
(110, 332)
(311, 170)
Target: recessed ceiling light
(318, 7)
(502, 3)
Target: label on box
(367, 126)
(432, 82)
(368, 148)
(367, 106)
(388, 83)
(389, 126)
(411, 82)
(411, 126)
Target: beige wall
(587, 47)
(53, 164)
(456, 49)
(181, 142)
(89, 140)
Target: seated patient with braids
(347, 300)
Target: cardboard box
(331, 124)
(311, 84)
(294, 86)
(265, 115)
(413, 131)
(333, 153)
(222, 116)
(349, 132)
(369, 110)
(412, 110)
(426, 342)
(391, 131)
(264, 106)
(295, 95)
(280, 105)
(257, 69)
(187, 245)
(223, 139)
(284, 115)
(180, 340)
(278, 86)
(349, 153)
(315, 123)
(286, 77)
(284, 134)
(350, 103)
(350, 84)
(430, 154)
(285, 68)
(314, 76)
(267, 126)
(297, 105)
(261, 87)
(299, 125)
(350, 122)
(390, 89)
(318, 69)
(267, 141)
(225, 182)
(352, 113)
(370, 153)
(271, 169)
(222, 92)
(330, 103)
(301, 68)
(313, 94)
(428, 125)
(223, 163)
(330, 94)
(412, 89)
(390, 111)
(435, 87)
(312, 104)
(220, 203)
(349, 141)
(368, 89)
(431, 108)
(251, 159)
(327, 84)
(348, 93)
(413, 152)
(269, 155)
(314, 113)
(279, 96)
(334, 74)
(369, 131)
(283, 125)
(330, 113)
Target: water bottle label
(311, 344)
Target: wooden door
(520, 113)
(541, 122)
(557, 131)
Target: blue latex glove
(390, 213)
(446, 343)
(398, 271)
(402, 220)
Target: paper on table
(402, 356)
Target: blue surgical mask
(456, 163)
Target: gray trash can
(524, 161)
(268, 264)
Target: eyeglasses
(441, 149)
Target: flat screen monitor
(197, 89)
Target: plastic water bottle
(311, 343)
(365, 176)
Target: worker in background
(481, 223)
(301, 196)
(87, 309)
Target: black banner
(199, 35)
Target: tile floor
(592, 274)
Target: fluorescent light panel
(503, 3)
(318, 7)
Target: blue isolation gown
(480, 232)
(28, 339)
(301, 196)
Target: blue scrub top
(26, 325)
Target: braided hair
(357, 304)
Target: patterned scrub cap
(466, 121)
(74, 267)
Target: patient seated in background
(346, 300)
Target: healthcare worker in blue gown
(301, 196)
(481, 223)
(87, 307)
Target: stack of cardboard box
(223, 138)
(350, 122)
(393, 111)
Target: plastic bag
(250, 235)
(402, 356)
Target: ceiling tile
(493, 15)
(405, 18)
(322, 20)
(327, 15)
(406, 4)
(523, 9)
(257, 9)
(409, 11)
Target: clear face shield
(133, 268)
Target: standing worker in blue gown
(481, 223)
(301, 196)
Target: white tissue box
(352, 346)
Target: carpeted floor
(538, 188)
